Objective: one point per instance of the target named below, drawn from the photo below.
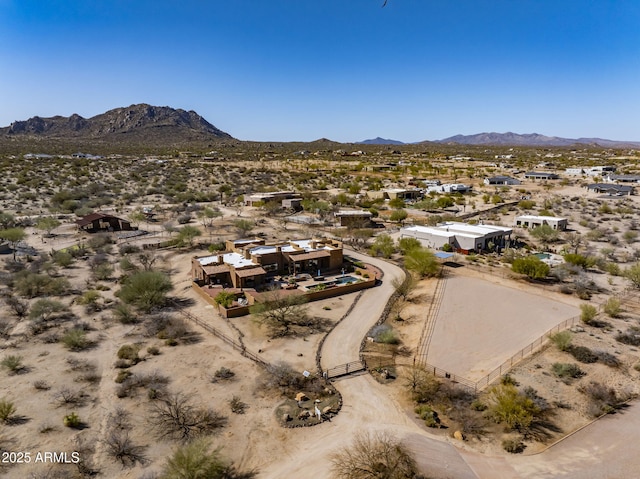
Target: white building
(590, 171)
(461, 237)
(449, 188)
(531, 221)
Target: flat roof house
(266, 197)
(461, 237)
(354, 218)
(531, 221)
(541, 175)
(624, 178)
(393, 193)
(502, 180)
(611, 190)
(246, 263)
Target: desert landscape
(494, 362)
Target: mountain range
(166, 127)
(133, 125)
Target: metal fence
(240, 347)
(344, 369)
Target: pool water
(542, 255)
(346, 279)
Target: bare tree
(175, 417)
(281, 313)
(374, 456)
(120, 447)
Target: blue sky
(299, 70)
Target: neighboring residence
(502, 181)
(393, 193)
(101, 222)
(355, 218)
(540, 175)
(257, 199)
(591, 171)
(380, 167)
(623, 178)
(532, 221)
(449, 188)
(247, 263)
(611, 190)
(461, 237)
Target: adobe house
(97, 222)
(247, 263)
(531, 221)
(354, 218)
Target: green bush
(123, 375)
(588, 313)
(509, 406)
(630, 337)
(129, 351)
(146, 290)
(562, 340)
(513, 446)
(530, 266)
(612, 307)
(71, 420)
(225, 299)
(428, 415)
(7, 410)
(13, 363)
(75, 339)
(567, 370)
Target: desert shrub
(196, 460)
(64, 259)
(174, 416)
(384, 334)
(124, 314)
(128, 249)
(31, 285)
(75, 339)
(153, 350)
(588, 313)
(44, 309)
(603, 399)
(41, 385)
(223, 374)
(129, 352)
(583, 354)
(607, 359)
(146, 290)
(428, 415)
(630, 336)
(530, 266)
(513, 446)
(72, 420)
(507, 380)
(509, 406)
(387, 456)
(12, 363)
(478, 405)
(66, 396)
(612, 307)
(123, 375)
(121, 447)
(567, 370)
(422, 385)
(237, 405)
(562, 340)
(584, 262)
(421, 261)
(7, 410)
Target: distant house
(502, 180)
(531, 221)
(590, 171)
(97, 222)
(540, 175)
(354, 218)
(255, 199)
(393, 193)
(611, 190)
(449, 188)
(461, 237)
(623, 178)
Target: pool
(542, 255)
(346, 279)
